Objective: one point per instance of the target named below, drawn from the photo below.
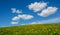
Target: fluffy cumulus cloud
(43, 8)
(48, 11)
(37, 6)
(24, 17)
(14, 10)
(15, 18)
(19, 16)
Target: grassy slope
(35, 29)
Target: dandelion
(59, 33)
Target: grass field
(33, 29)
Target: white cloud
(14, 22)
(20, 16)
(16, 18)
(37, 6)
(48, 11)
(14, 10)
(23, 16)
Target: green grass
(34, 29)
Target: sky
(21, 12)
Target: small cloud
(20, 16)
(16, 18)
(14, 10)
(37, 6)
(14, 22)
(48, 11)
(23, 16)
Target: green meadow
(32, 29)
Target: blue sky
(28, 12)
